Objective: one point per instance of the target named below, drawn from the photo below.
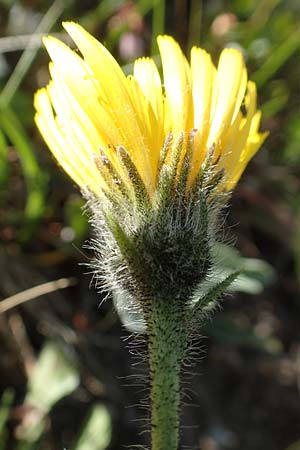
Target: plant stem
(166, 344)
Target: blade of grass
(247, 31)
(34, 292)
(195, 17)
(10, 44)
(29, 53)
(277, 59)
(4, 168)
(158, 23)
(144, 6)
(104, 10)
(35, 178)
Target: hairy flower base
(162, 247)
(156, 255)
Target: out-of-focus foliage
(52, 378)
(96, 433)
(252, 370)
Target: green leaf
(54, 377)
(97, 431)
(255, 275)
(206, 304)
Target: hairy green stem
(166, 344)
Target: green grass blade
(35, 178)
(4, 168)
(277, 59)
(29, 53)
(5, 405)
(194, 26)
(158, 23)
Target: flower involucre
(90, 110)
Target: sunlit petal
(90, 109)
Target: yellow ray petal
(252, 143)
(115, 89)
(83, 86)
(177, 83)
(70, 111)
(146, 73)
(251, 148)
(238, 134)
(203, 76)
(148, 78)
(150, 125)
(97, 106)
(230, 89)
(82, 170)
(101, 62)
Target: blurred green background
(67, 377)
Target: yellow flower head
(90, 113)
